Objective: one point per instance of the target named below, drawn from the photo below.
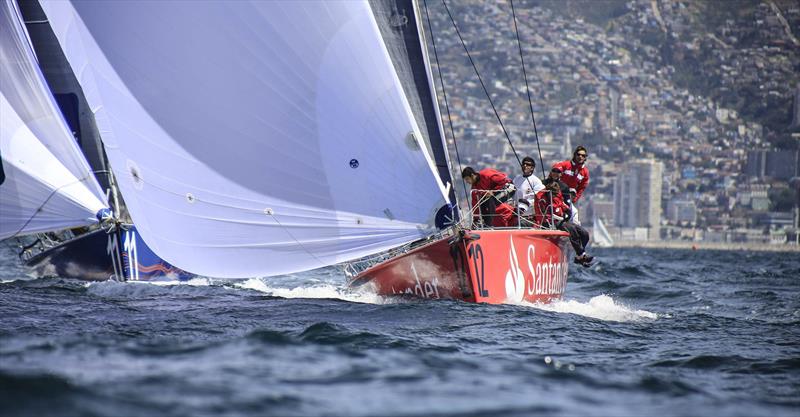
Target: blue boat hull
(98, 256)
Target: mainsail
(47, 184)
(253, 138)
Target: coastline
(677, 244)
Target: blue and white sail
(253, 138)
(45, 182)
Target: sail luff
(402, 34)
(442, 150)
(433, 157)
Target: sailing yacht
(600, 235)
(267, 138)
(47, 184)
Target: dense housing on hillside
(711, 94)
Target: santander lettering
(545, 277)
(428, 289)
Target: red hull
(486, 266)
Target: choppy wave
(643, 332)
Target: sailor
(575, 175)
(573, 210)
(549, 208)
(490, 191)
(527, 186)
(555, 175)
(562, 217)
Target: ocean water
(643, 332)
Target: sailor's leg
(487, 211)
(574, 237)
(584, 234)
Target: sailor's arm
(581, 186)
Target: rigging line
(446, 105)
(285, 229)
(527, 88)
(52, 193)
(474, 67)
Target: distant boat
(246, 144)
(600, 235)
(50, 194)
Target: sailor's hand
(508, 190)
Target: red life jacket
(542, 213)
(574, 175)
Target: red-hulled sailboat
(485, 265)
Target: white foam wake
(137, 289)
(601, 307)
(320, 290)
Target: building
(754, 196)
(603, 208)
(681, 211)
(775, 220)
(637, 196)
(781, 164)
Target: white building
(637, 196)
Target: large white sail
(45, 183)
(252, 138)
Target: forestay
(253, 138)
(46, 184)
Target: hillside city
(690, 109)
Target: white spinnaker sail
(252, 138)
(38, 194)
(26, 90)
(46, 183)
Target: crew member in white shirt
(527, 186)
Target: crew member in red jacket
(549, 209)
(552, 210)
(576, 176)
(574, 172)
(493, 209)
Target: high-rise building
(637, 196)
(781, 164)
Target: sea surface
(643, 332)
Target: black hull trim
(85, 257)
